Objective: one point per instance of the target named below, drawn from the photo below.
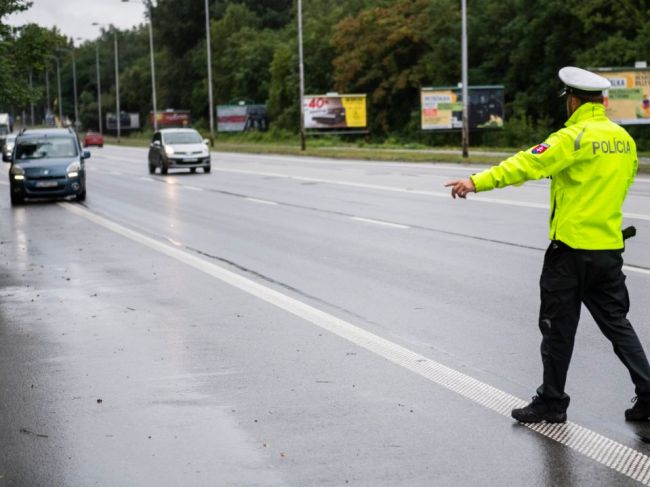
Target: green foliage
(387, 49)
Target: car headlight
(73, 169)
(169, 150)
(17, 172)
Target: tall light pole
(464, 79)
(47, 92)
(117, 80)
(31, 102)
(99, 87)
(303, 143)
(117, 90)
(74, 87)
(58, 84)
(210, 100)
(148, 4)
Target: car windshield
(3, 130)
(46, 148)
(182, 138)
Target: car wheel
(206, 169)
(152, 169)
(81, 196)
(163, 166)
(17, 199)
(101, 145)
(192, 170)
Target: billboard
(171, 118)
(627, 102)
(240, 118)
(128, 121)
(442, 107)
(334, 111)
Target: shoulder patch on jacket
(540, 149)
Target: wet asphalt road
(121, 364)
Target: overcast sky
(74, 17)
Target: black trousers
(569, 278)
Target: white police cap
(583, 80)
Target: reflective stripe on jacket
(592, 163)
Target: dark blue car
(47, 163)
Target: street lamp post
(74, 87)
(210, 100)
(47, 91)
(117, 91)
(148, 4)
(465, 88)
(99, 87)
(303, 142)
(58, 85)
(117, 82)
(31, 102)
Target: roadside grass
(334, 147)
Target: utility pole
(465, 88)
(210, 100)
(117, 89)
(303, 141)
(74, 88)
(153, 69)
(99, 87)
(31, 102)
(58, 83)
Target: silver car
(178, 148)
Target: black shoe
(639, 412)
(540, 410)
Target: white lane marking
(640, 270)
(637, 216)
(116, 173)
(174, 242)
(192, 188)
(579, 438)
(438, 194)
(263, 202)
(378, 222)
(145, 178)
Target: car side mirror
(206, 142)
(86, 154)
(6, 158)
(156, 144)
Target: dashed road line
(607, 452)
(263, 202)
(379, 222)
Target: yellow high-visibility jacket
(592, 162)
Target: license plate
(190, 160)
(46, 184)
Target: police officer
(591, 162)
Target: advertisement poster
(128, 121)
(442, 107)
(335, 111)
(240, 118)
(628, 100)
(171, 118)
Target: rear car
(47, 163)
(93, 138)
(178, 148)
(8, 148)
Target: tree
(389, 52)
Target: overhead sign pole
(303, 142)
(464, 79)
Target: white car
(178, 148)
